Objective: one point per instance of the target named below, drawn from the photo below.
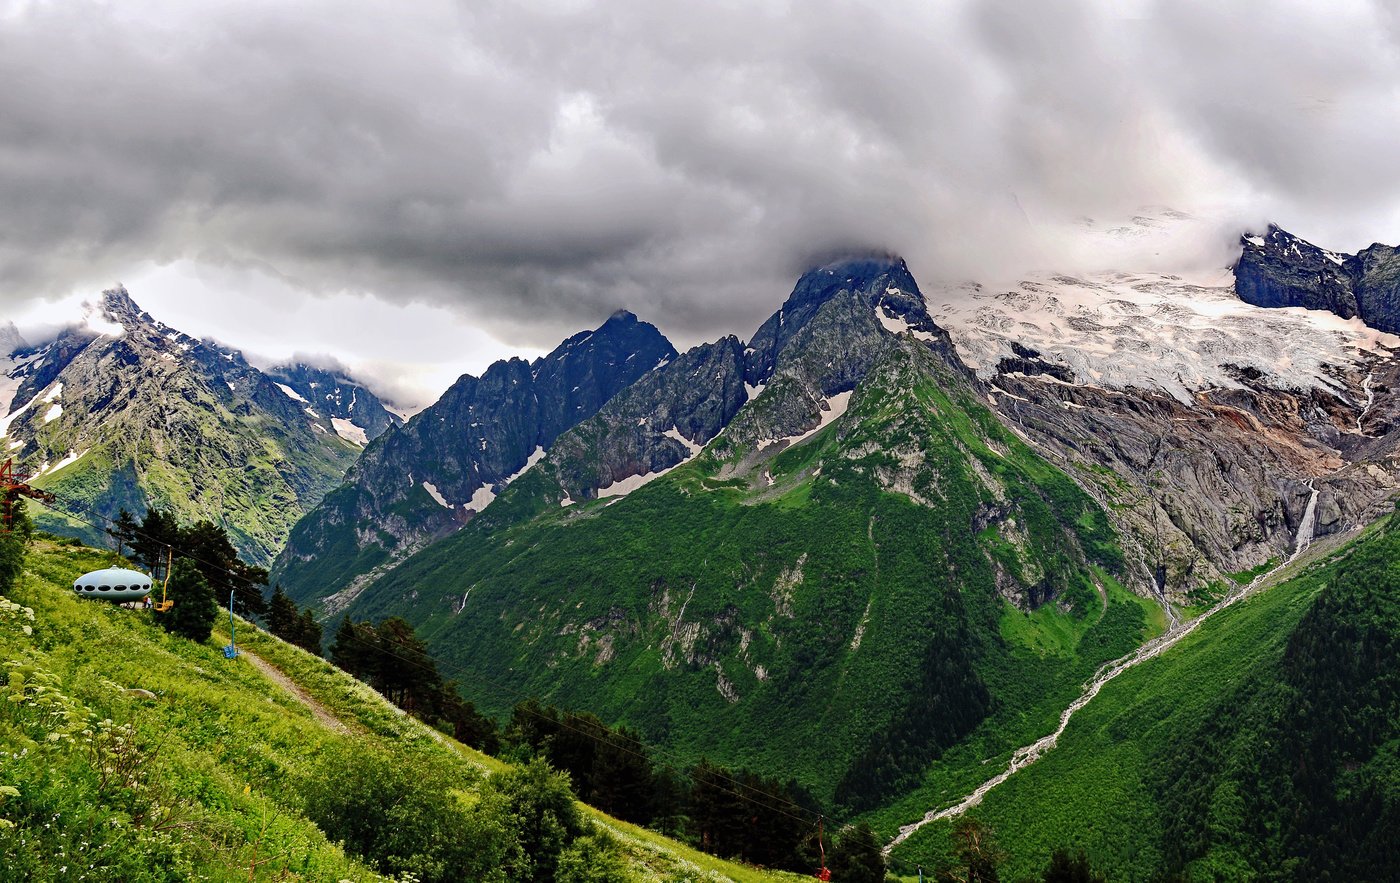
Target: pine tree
(152, 542)
(354, 648)
(307, 633)
(195, 609)
(469, 726)
(403, 670)
(976, 848)
(209, 545)
(123, 530)
(281, 615)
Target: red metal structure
(12, 487)
(823, 873)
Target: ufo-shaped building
(113, 584)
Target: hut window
(104, 588)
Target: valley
(892, 554)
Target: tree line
(736, 814)
(392, 659)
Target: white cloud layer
(511, 171)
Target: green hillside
(128, 754)
(1263, 746)
(860, 599)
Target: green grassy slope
(200, 778)
(1262, 746)
(837, 599)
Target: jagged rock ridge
(436, 472)
(355, 412)
(155, 417)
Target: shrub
(537, 807)
(592, 859)
(403, 815)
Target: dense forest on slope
(1261, 747)
(1296, 772)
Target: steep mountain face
(435, 473)
(795, 377)
(153, 417)
(1280, 270)
(831, 556)
(1201, 421)
(10, 338)
(356, 413)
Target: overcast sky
(418, 188)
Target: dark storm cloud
(537, 164)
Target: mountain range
(893, 524)
(141, 415)
(881, 543)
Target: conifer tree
(353, 648)
(307, 633)
(281, 614)
(123, 530)
(195, 608)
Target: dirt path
(272, 673)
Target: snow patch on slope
(690, 446)
(898, 324)
(51, 399)
(835, 407)
(436, 495)
(65, 462)
(481, 498)
(349, 431)
(624, 486)
(486, 494)
(292, 394)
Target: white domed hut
(113, 584)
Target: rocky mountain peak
(439, 470)
(118, 306)
(861, 272)
(882, 282)
(1279, 269)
